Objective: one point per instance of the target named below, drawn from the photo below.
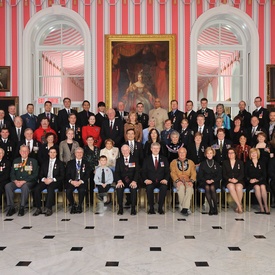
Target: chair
(249, 199)
(110, 191)
(226, 191)
(156, 191)
(75, 192)
(174, 192)
(128, 191)
(218, 191)
(45, 192)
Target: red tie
(156, 163)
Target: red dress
(94, 131)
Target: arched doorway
(55, 42)
(225, 58)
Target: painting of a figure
(5, 78)
(140, 72)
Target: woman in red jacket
(93, 131)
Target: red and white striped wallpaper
(135, 17)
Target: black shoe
(48, 212)
(73, 209)
(211, 212)
(10, 212)
(160, 211)
(120, 211)
(215, 211)
(21, 211)
(37, 212)
(78, 209)
(133, 212)
(151, 211)
(184, 212)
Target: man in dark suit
(3, 121)
(77, 175)
(271, 128)
(253, 131)
(24, 174)
(83, 116)
(5, 168)
(207, 113)
(33, 144)
(206, 131)
(101, 115)
(113, 129)
(190, 114)
(126, 176)
(10, 116)
(51, 177)
(175, 115)
(17, 132)
(51, 117)
(261, 112)
(121, 113)
(29, 119)
(244, 114)
(221, 145)
(8, 145)
(142, 117)
(63, 115)
(155, 174)
(71, 123)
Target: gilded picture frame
(270, 82)
(4, 78)
(139, 68)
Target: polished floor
(86, 243)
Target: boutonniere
(239, 166)
(83, 168)
(54, 166)
(116, 128)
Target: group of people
(83, 150)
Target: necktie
(111, 126)
(69, 112)
(220, 146)
(87, 113)
(5, 141)
(199, 129)
(131, 147)
(1, 124)
(253, 131)
(48, 116)
(29, 145)
(78, 169)
(73, 127)
(126, 161)
(156, 163)
(50, 172)
(121, 115)
(103, 176)
(18, 134)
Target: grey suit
(65, 154)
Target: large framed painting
(270, 82)
(140, 68)
(4, 78)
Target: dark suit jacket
(10, 149)
(246, 116)
(20, 173)
(209, 116)
(120, 118)
(71, 171)
(8, 121)
(237, 172)
(53, 121)
(186, 137)
(29, 122)
(5, 168)
(6, 124)
(13, 134)
(33, 153)
(138, 151)
(58, 171)
(82, 118)
(149, 171)
(176, 119)
(127, 173)
(207, 135)
(221, 156)
(99, 119)
(116, 134)
(196, 157)
(143, 119)
(252, 140)
(192, 119)
(62, 117)
(263, 115)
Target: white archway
(229, 14)
(26, 67)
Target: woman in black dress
(154, 136)
(237, 131)
(209, 177)
(233, 178)
(255, 172)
